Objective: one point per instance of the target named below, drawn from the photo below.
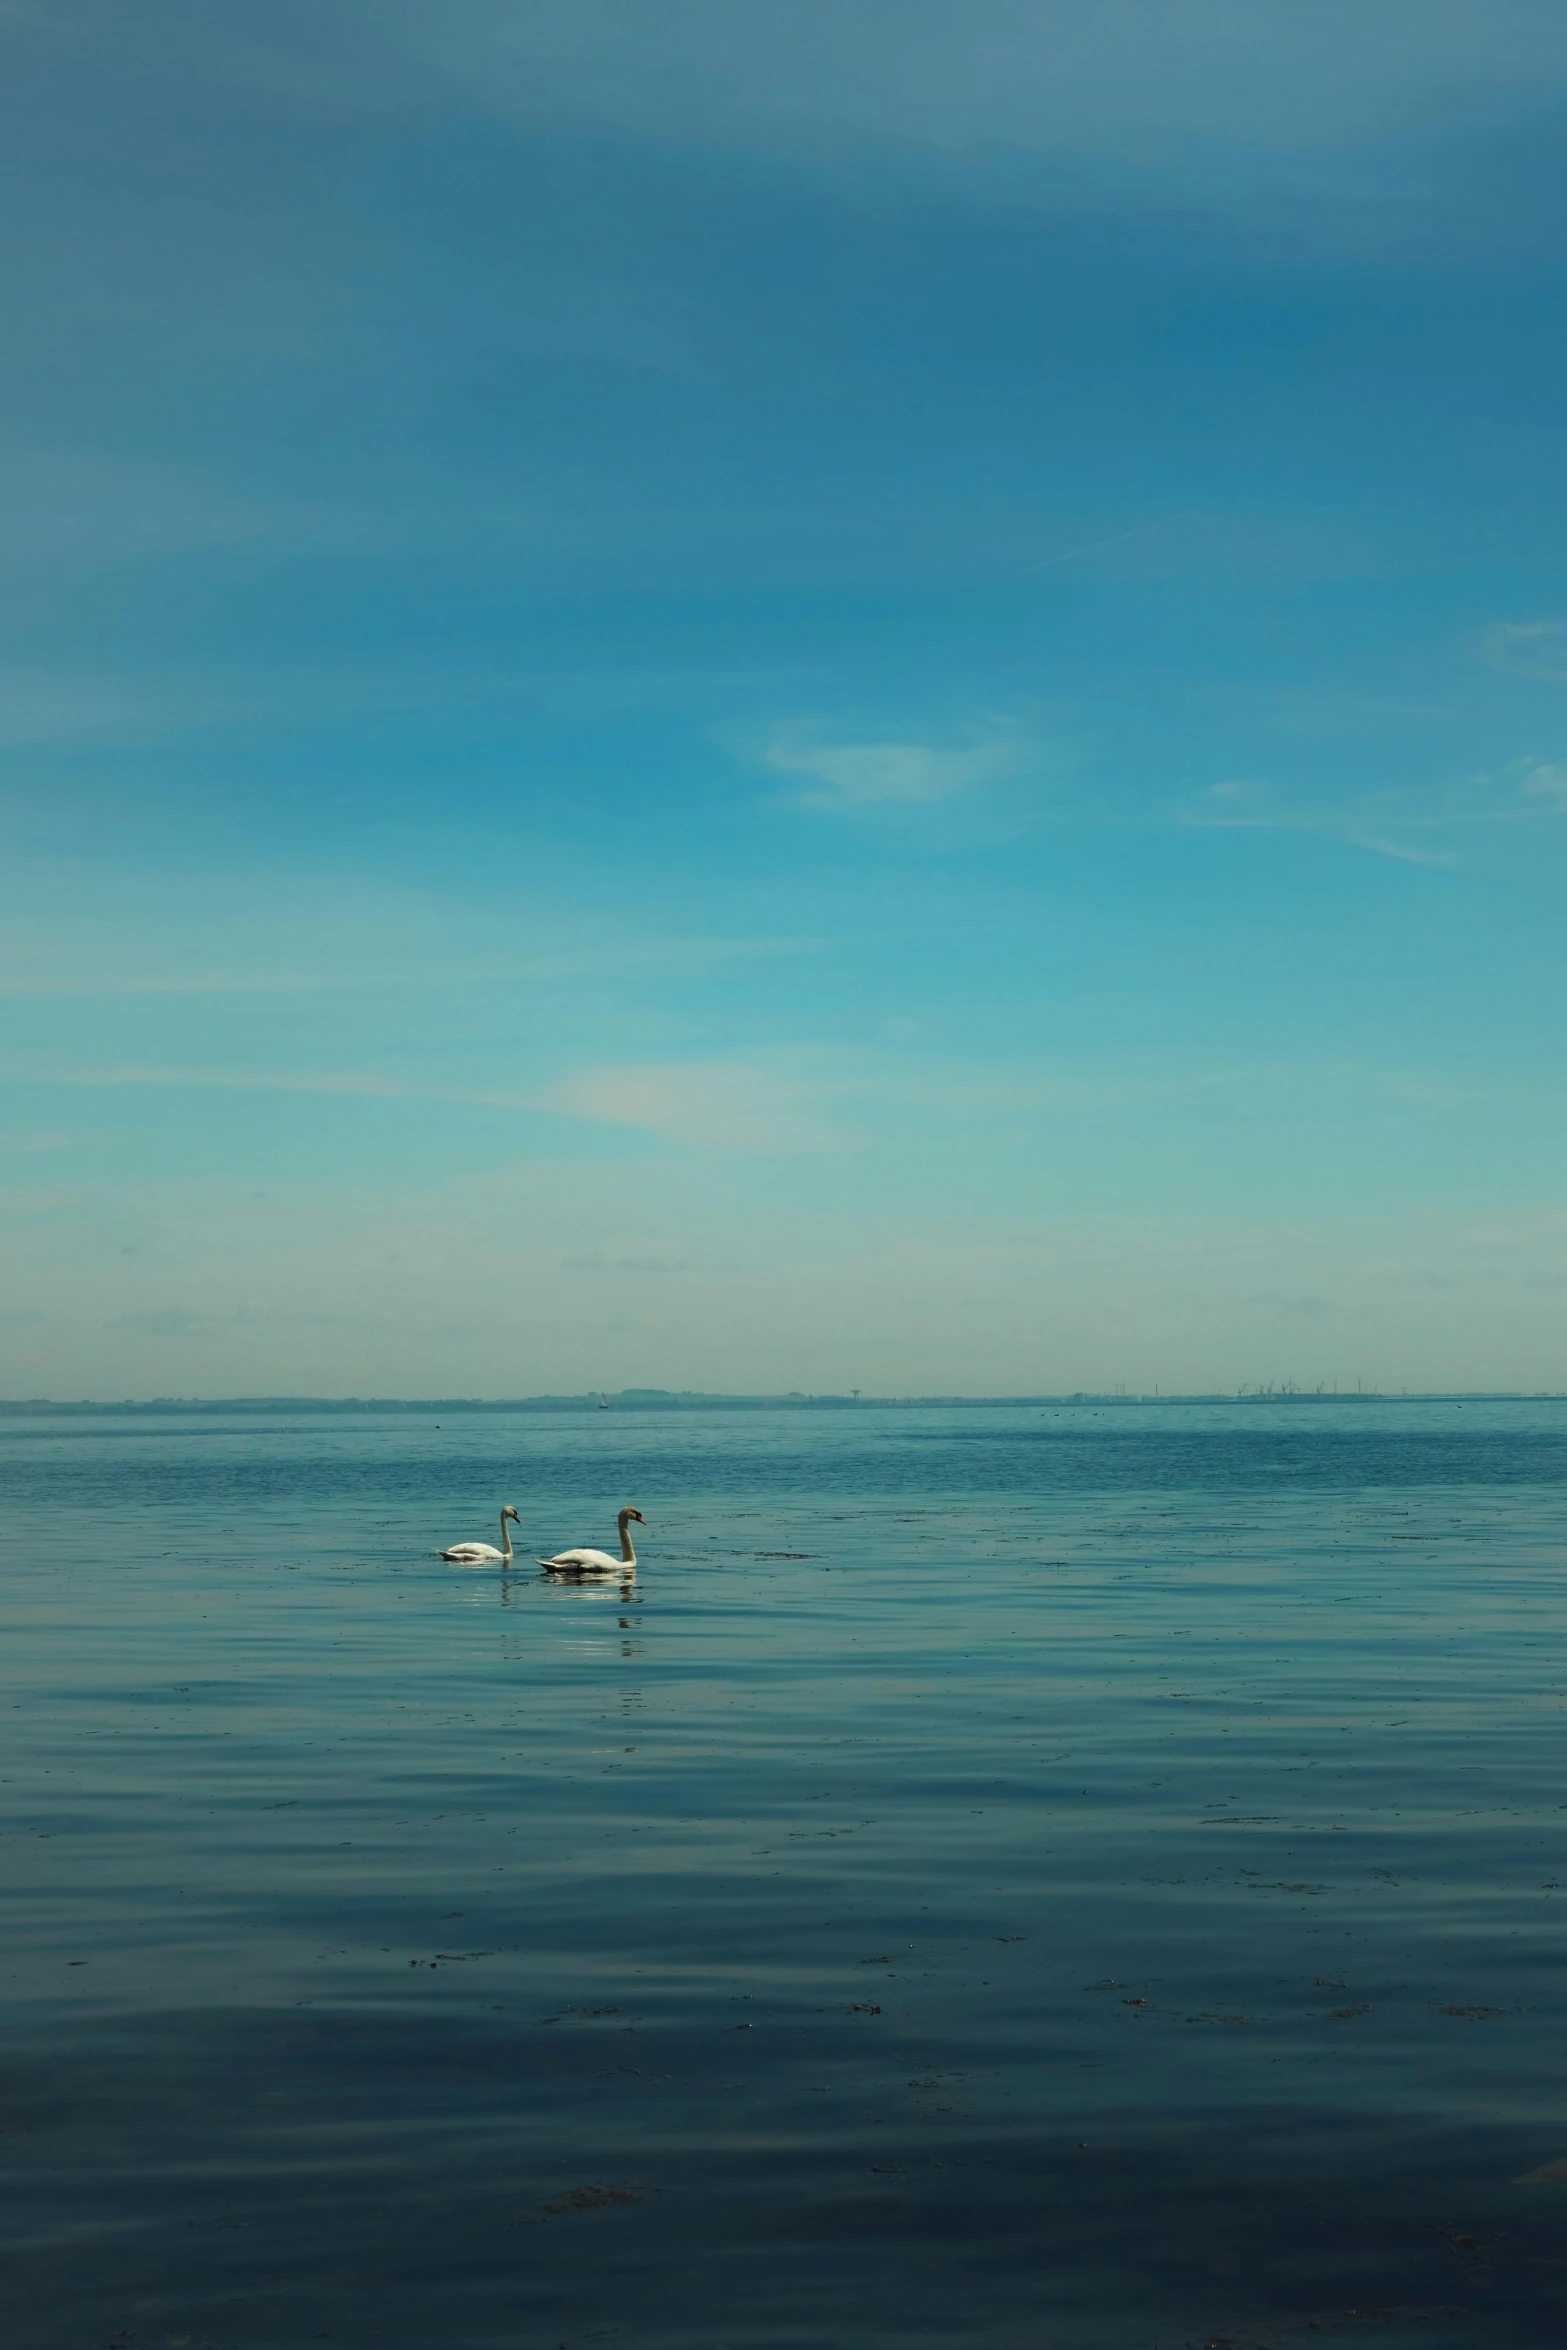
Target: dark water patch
(266, 2180)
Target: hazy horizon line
(665, 1399)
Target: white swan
(479, 1554)
(599, 1562)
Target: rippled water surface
(1010, 1879)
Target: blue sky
(862, 695)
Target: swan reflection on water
(622, 1585)
(620, 1590)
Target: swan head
(509, 1512)
(637, 1514)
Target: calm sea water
(999, 1879)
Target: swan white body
(480, 1554)
(599, 1562)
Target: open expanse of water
(1018, 1880)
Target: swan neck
(628, 1556)
(505, 1536)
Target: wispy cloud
(219, 934)
(362, 1083)
(1249, 807)
(787, 1100)
(1120, 81)
(897, 773)
(1545, 781)
(1530, 648)
(66, 507)
(763, 1104)
(1241, 544)
(1405, 825)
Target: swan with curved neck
(480, 1554)
(599, 1562)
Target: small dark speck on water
(591, 2199)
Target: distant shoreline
(649, 1399)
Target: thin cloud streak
(1529, 648)
(782, 1099)
(623, 958)
(1319, 828)
(1119, 538)
(722, 1106)
(1526, 792)
(1152, 91)
(858, 775)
